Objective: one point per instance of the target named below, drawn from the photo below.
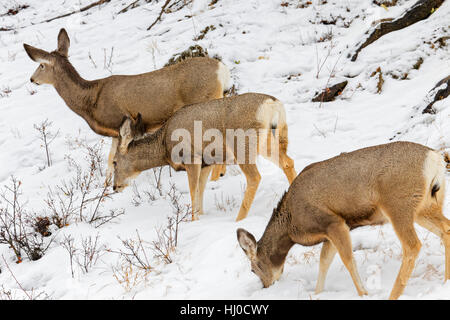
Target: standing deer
(104, 102)
(400, 182)
(260, 114)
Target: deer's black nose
(31, 80)
(114, 188)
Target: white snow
(262, 43)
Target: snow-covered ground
(282, 50)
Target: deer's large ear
(247, 242)
(63, 42)
(37, 55)
(138, 119)
(139, 126)
(125, 135)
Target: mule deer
(104, 102)
(263, 117)
(400, 182)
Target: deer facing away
(104, 102)
(401, 182)
(246, 111)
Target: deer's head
(260, 262)
(125, 167)
(51, 64)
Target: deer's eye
(42, 66)
(114, 163)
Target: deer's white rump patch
(223, 75)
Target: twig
(320, 66)
(46, 137)
(15, 279)
(92, 60)
(131, 5)
(92, 5)
(100, 2)
(107, 63)
(68, 244)
(329, 77)
(318, 130)
(160, 14)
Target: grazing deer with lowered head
(261, 116)
(104, 102)
(400, 183)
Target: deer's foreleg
(193, 173)
(202, 184)
(253, 179)
(326, 258)
(112, 153)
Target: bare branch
(160, 14)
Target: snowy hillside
(289, 49)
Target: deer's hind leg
(434, 220)
(276, 152)
(339, 234)
(326, 258)
(402, 220)
(286, 163)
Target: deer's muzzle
(33, 81)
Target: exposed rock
(421, 10)
(330, 93)
(439, 95)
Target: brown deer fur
(400, 182)
(104, 102)
(246, 111)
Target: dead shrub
(167, 236)
(134, 265)
(385, 3)
(19, 228)
(15, 9)
(191, 52)
(46, 137)
(204, 32)
(81, 198)
(89, 253)
(86, 256)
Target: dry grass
(225, 203)
(134, 265)
(310, 256)
(447, 160)
(5, 92)
(380, 79)
(129, 276)
(431, 273)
